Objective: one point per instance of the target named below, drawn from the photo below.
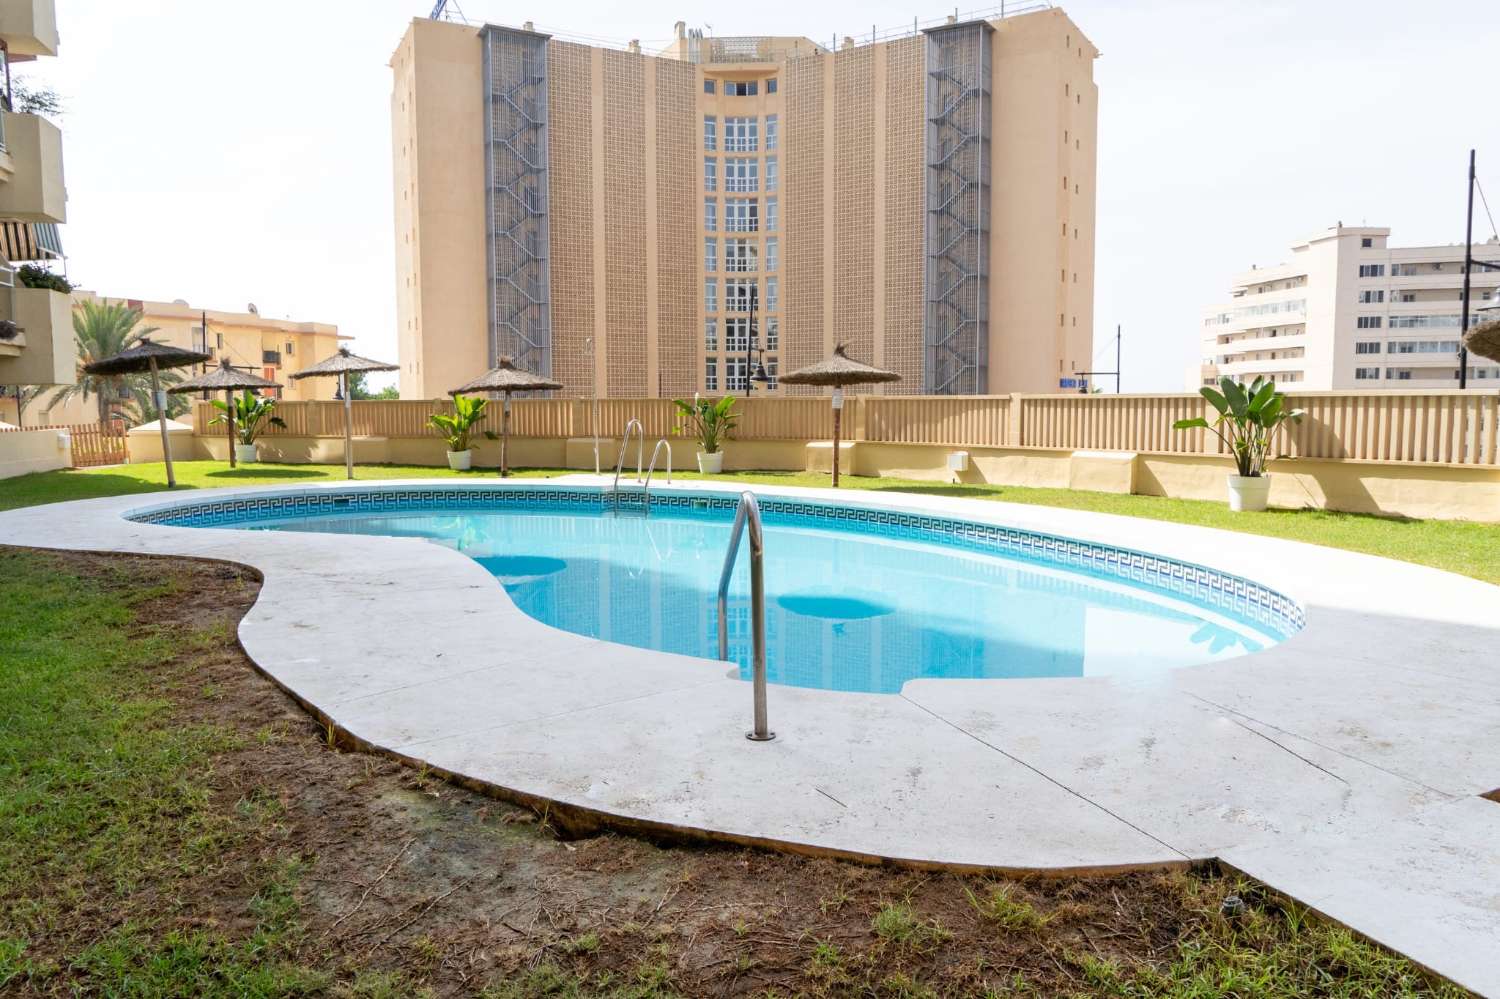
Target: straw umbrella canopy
(228, 378)
(507, 378)
(148, 355)
(838, 371)
(341, 365)
(1484, 339)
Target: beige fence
(1440, 426)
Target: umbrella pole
(161, 422)
(348, 425)
(838, 412)
(229, 409)
(504, 435)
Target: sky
(228, 153)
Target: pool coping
(1368, 735)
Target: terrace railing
(1438, 426)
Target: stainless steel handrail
(747, 514)
(640, 446)
(662, 443)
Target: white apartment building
(1350, 311)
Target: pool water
(846, 609)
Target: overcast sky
(231, 153)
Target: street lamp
(754, 374)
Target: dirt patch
(450, 891)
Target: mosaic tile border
(1224, 592)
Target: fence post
(1015, 434)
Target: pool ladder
(747, 518)
(616, 495)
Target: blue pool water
(848, 606)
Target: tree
(358, 389)
(102, 329)
(26, 98)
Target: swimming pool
(856, 599)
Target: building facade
(1351, 311)
(271, 348)
(634, 224)
(36, 333)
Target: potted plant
(710, 422)
(252, 414)
(1248, 420)
(457, 429)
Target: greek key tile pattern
(1227, 594)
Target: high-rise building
(634, 224)
(36, 333)
(1350, 312)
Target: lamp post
(1469, 264)
(755, 374)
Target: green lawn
(1458, 546)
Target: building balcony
(28, 28)
(43, 353)
(31, 169)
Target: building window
(1371, 297)
(770, 173)
(1372, 270)
(770, 373)
(739, 254)
(739, 296)
(770, 215)
(1403, 270)
(741, 215)
(708, 86)
(736, 335)
(290, 348)
(771, 85)
(741, 135)
(771, 253)
(710, 335)
(741, 88)
(710, 132)
(711, 295)
(1422, 347)
(711, 374)
(773, 298)
(1364, 374)
(1424, 322)
(711, 173)
(710, 254)
(741, 174)
(1367, 347)
(771, 132)
(1399, 374)
(736, 378)
(1411, 296)
(773, 332)
(1367, 242)
(1368, 322)
(219, 340)
(710, 214)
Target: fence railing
(92, 443)
(1441, 426)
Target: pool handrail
(640, 447)
(662, 443)
(747, 515)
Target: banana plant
(457, 428)
(711, 422)
(252, 414)
(1248, 420)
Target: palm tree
(103, 329)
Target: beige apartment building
(639, 224)
(36, 333)
(271, 348)
(1350, 311)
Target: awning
(30, 241)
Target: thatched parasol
(148, 355)
(342, 364)
(507, 378)
(229, 379)
(838, 371)
(1484, 339)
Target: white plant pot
(245, 454)
(1248, 493)
(710, 464)
(460, 461)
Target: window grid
(773, 298)
(710, 335)
(741, 135)
(739, 255)
(772, 249)
(710, 254)
(737, 335)
(773, 332)
(711, 374)
(711, 295)
(771, 132)
(771, 173)
(710, 132)
(710, 174)
(738, 295)
(770, 215)
(741, 174)
(710, 214)
(741, 215)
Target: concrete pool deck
(1343, 767)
